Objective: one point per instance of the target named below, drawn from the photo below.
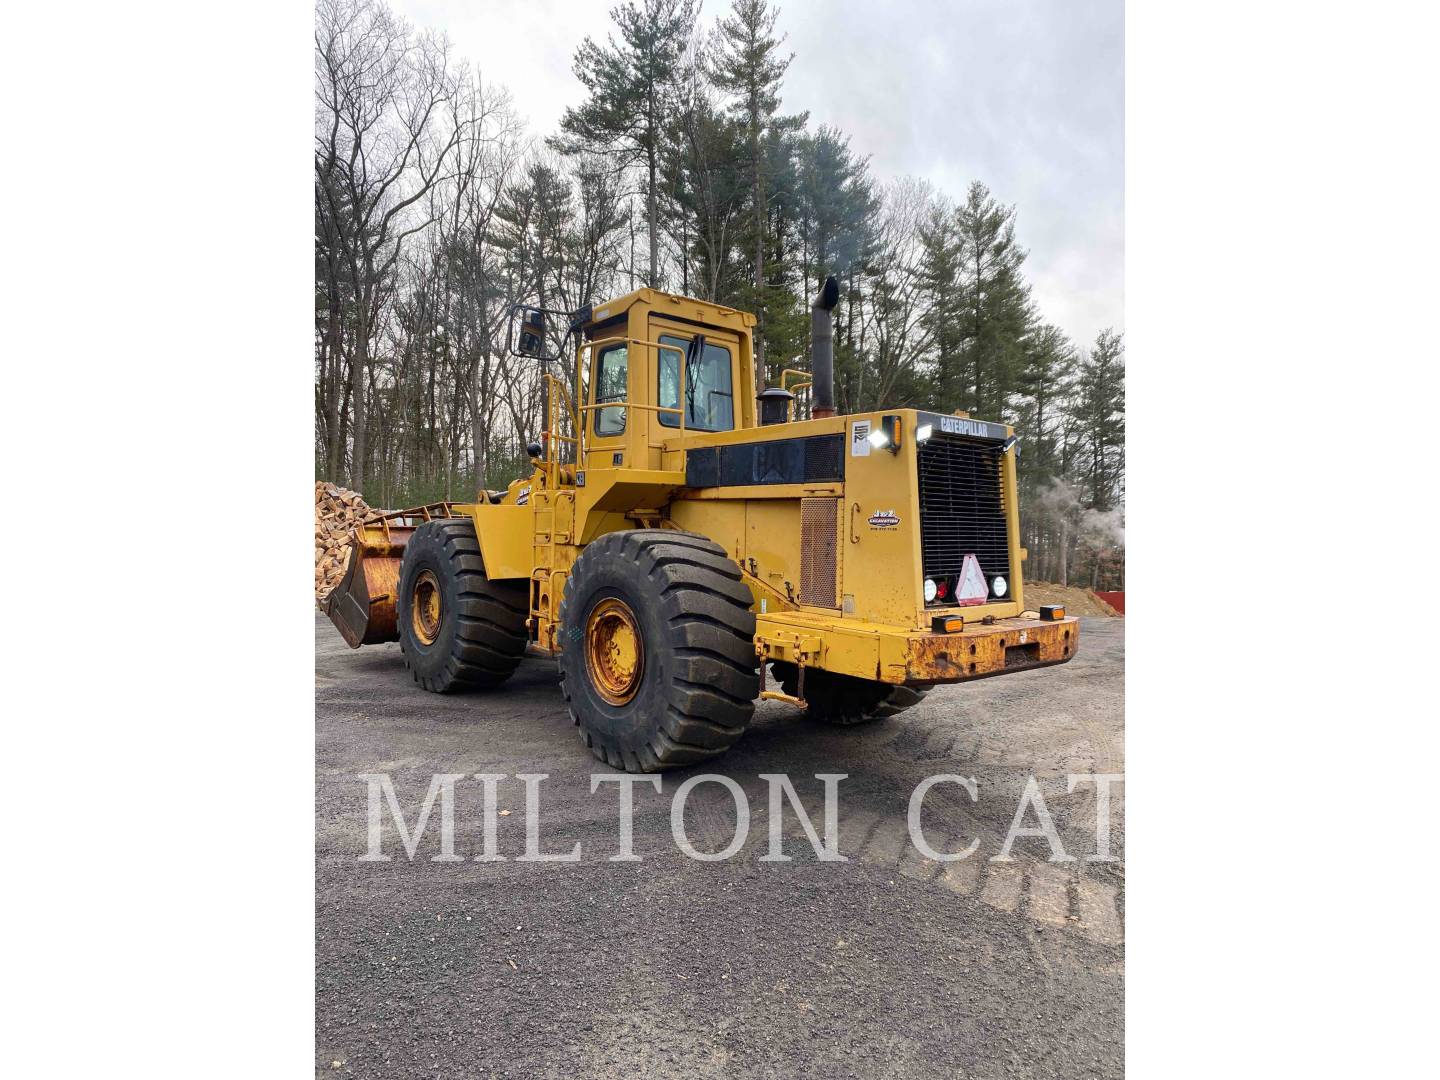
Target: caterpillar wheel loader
(680, 533)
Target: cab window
(709, 401)
(611, 385)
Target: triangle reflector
(972, 588)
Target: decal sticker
(884, 519)
(962, 425)
(523, 497)
(860, 438)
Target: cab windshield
(709, 400)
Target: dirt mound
(338, 512)
(1077, 601)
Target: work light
(887, 435)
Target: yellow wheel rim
(614, 652)
(425, 609)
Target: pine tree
(634, 90)
(838, 209)
(746, 64)
(783, 308)
(839, 203)
(996, 314)
(706, 190)
(939, 282)
(1099, 414)
(1042, 385)
(532, 222)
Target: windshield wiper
(695, 350)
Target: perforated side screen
(813, 459)
(818, 527)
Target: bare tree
(388, 118)
(894, 333)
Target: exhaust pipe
(822, 349)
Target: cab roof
(664, 303)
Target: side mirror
(527, 333)
(532, 332)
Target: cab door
(712, 379)
(610, 429)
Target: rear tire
(843, 700)
(657, 657)
(458, 629)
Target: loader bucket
(362, 606)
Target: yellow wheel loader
(680, 533)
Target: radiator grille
(962, 507)
(818, 525)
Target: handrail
(631, 405)
(793, 371)
(549, 436)
(657, 346)
(569, 402)
(807, 383)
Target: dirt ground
(1076, 601)
(885, 964)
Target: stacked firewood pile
(338, 513)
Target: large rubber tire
(844, 700)
(699, 675)
(480, 636)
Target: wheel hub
(614, 651)
(425, 608)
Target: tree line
(436, 210)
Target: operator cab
(653, 367)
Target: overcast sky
(1024, 95)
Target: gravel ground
(885, 964)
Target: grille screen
(962, 507)
(825, 457)
(818, 525)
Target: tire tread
(490, 636)
(705, 607)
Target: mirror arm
(573, 321)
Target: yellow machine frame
(585, 485)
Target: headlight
(923, 432)
(879, 440)
(999, 585)
(931, 589)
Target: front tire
(458, 629)
(843, 700)
(657, 657)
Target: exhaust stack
(822, 348)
